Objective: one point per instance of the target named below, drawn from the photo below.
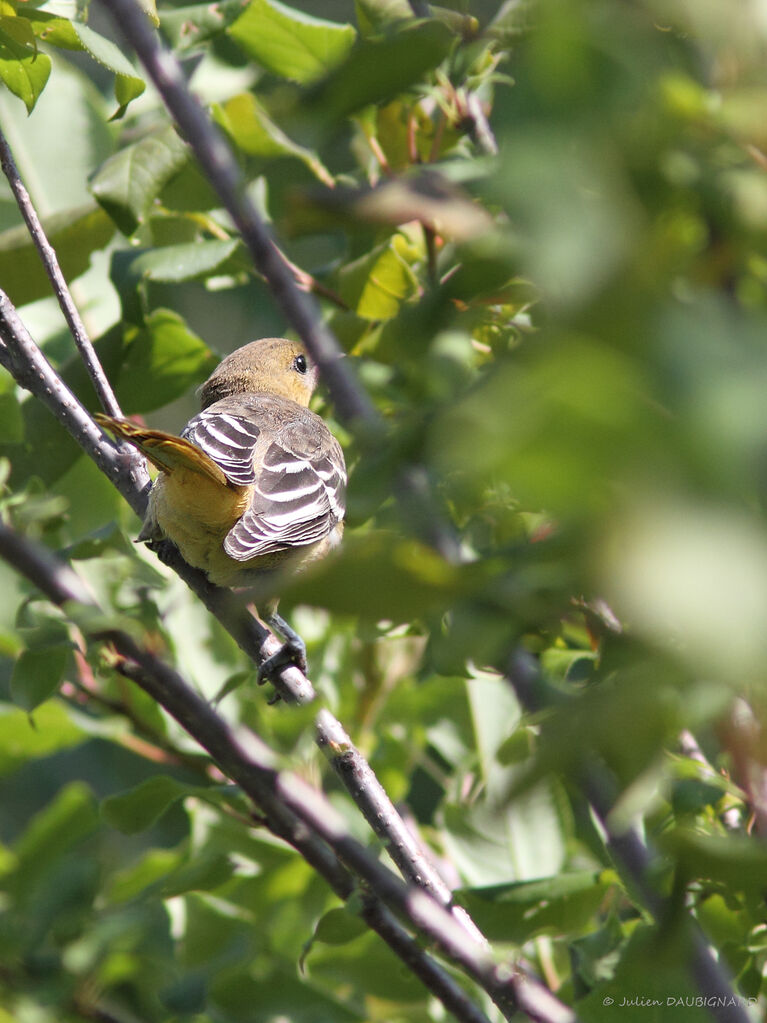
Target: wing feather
(298, 482)
(298, 499)
(229, 440)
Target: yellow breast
(196, 514)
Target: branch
(223, 173)
(220, 167)
(47, 254)
(26, 363)
(629, 849)
(378, 810)
(32, 370)
(294, 811)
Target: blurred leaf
(379, 576)
(74, 235)
(377, 69)
(153, 867)
(143, 806)
(128, 183)
(186, 995)
(712, 602)
(68, 819)
(733, 860)
(37, 674)
(11, 422)
(492, 843)
(163, 361)
(425, 197)
(202, 874)
(375, 15)
(188, 27)
(559, 905)
(290, 43)
(23, 738)
(338, 926)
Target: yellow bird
(256, 482)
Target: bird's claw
(292, 653)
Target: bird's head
(273, 365)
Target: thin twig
(26, 363)
(50, 261)
(218, 163)
(378, 810)
(628, 849)
(31, 369)
(296, 812)
(223, 173)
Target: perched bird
(255, 482)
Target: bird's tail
(164, 450)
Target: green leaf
(164, 360)
(559, 905)
(378, 69)
(74, 35)
(378, 576)
(290, 43)
(734, 860)
(11, 421)
(151, 868)
(202, 874)
(37, 675)
(75, 236)
(253, 131)
(338, 926)
(376, 15)
(377, 283)
(23, 68)
(186, 28)
(128, 183)
(23, 739)
(140, 808)
(68, 819)
(171, 264)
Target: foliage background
(569, 334)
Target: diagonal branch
(220, 167)
(223, 173)
(509, 986)
(63, 295)
(302, 815)
(26, 363)
(632, 853)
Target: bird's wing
(298, 495)
(229, 439)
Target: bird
(255, 483)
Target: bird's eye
(299, 364)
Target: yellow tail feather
(164, 450)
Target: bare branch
(297, 813)
(23, 359)
(47, 254)
(371, 798)
(217, 161)
(31, 369)
(219, 165)
(629, 850)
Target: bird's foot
(291, 653)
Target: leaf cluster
(537, 231)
